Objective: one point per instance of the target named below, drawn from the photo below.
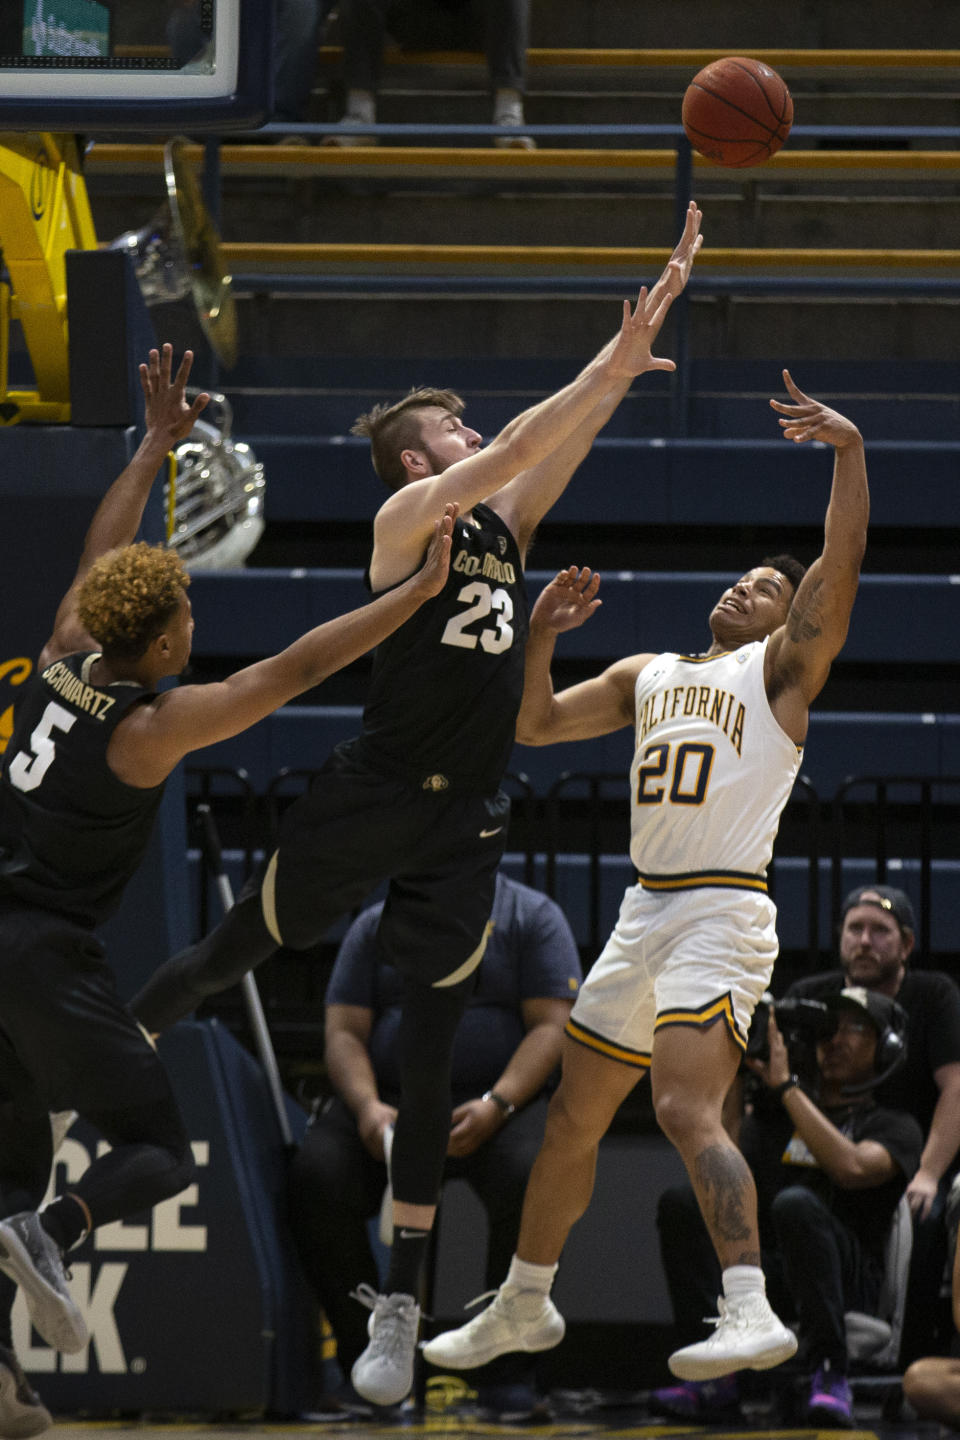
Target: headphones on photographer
(890, 1054)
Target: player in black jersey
(81, 781)
(416, 799)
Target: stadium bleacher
(837, 259)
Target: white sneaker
(748, 1336)
(383, 1374)
(32, 1258)
(517, 1320)
(513, 142)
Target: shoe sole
(691, 1368)
(55, 1317)
(17, 1420)
(491, 1352)
(393, 1397)
(828, 1418)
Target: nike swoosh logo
(484, 834)
(411, 1234)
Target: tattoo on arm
(722, 1180)
(805, 618)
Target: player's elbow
(532, 732)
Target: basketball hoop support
(44, 212)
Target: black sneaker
(22, 1412)
(32, 1258)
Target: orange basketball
(737, 111)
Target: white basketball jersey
(711, 772)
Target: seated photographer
(830, 1166)
(876, 950)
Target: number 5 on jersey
(26, 769)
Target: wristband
(504, 1106)
(790, 1083)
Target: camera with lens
(802, 1023)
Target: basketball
(737, 111)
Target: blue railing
(703, 282)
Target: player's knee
(680, 1115)
(922, 1384)
(571, 1123)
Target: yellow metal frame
(44, 212)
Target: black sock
(407, 1254)
(65, 1221)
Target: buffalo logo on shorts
(436, 782)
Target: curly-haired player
(130, 597)
(81, 782)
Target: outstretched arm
(169, 419)
(148, 744)
(403, 522)
(800, 653)
(594, 707)
(524, 501)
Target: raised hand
(639, 329)
(809, 419)
(678, 268)
(433, 572)
(568, 601)
(165, 402)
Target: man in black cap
(877, 938)
(830, 1165)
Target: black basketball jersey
(446, 686)
(71, 832)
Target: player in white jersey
(719, 743)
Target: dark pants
(927, 1320)
(431, 25)
(336, 1186)
(816, 1270)
(826, 1270)
(67, 1043)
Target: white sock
(524, 1276)
(361, 105)
(741, 1280)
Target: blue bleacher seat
(839, 744)
(791, 882)
(896, 617)
(328, 477)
